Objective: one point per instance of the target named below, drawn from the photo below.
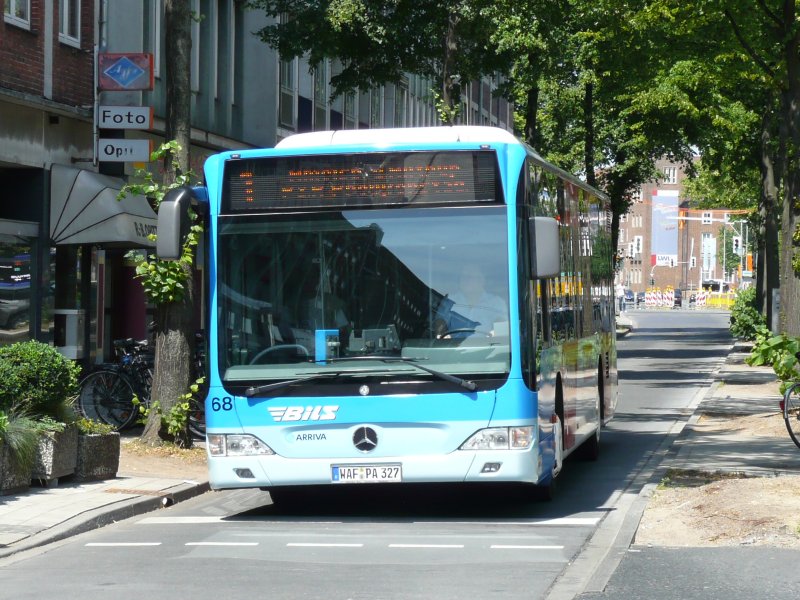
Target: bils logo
(302, 413)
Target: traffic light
(737, 245)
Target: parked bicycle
(106, 394)
(790, 405)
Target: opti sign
(113, 150)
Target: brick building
(665, 243)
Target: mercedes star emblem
(365, 439)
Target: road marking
(122, 544)
(179, 520)
(510, 547)
(426, 545)
(221, 544)
(321, 545)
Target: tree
(171, 286)
(377, 42)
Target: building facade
(663, 243)
(64, 237)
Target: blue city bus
(343, 347)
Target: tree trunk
(790, 285)
(174, 330)
(449, 83)
(531, 116)
(768, 256)
(588, 123)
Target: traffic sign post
(123, 72)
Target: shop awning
(84, 210)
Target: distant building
(664, 243)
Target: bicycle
(106, 394)
(790, 406)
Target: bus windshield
(298, 291)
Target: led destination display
(364, 179)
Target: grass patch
(685, 478)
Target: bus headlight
(236, 445)
(500, 438)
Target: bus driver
(472, 308)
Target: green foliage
(38, 379)
(19, 433)
(746, 320)
(176, 419)
(164, 281)
(778, 351)
(90, 426)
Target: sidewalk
(738, 389)
(41, 515)
(669, 571)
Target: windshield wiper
(460, 381)
(254, 390)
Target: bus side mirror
(173, 223)
(545, 247)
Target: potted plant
(98, 451)
(18, 442)
(56, 451)
(43, 384)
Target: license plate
(366, 473)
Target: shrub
(745, 317)
(35, 377)
(779, 351)
(20, 435)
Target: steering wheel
(298, 348)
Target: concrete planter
(14, 478)
(98, 456)
(56, 456)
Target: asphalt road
(399, 543)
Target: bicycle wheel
(197, 418)
(107, 395)
(791, 412)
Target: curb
(105, 515)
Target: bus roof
(400, 135)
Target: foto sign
(113, 150)
(125, 117)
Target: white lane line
(426, 545)
(122, 544)
(179, 520)
(321, 545)
(512, 547)
(221, 544)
